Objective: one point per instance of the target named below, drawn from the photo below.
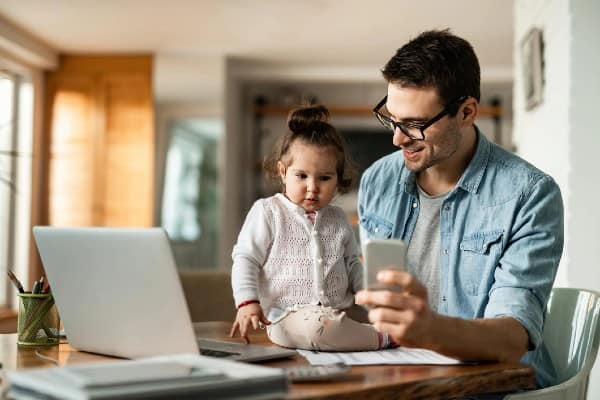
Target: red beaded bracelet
(245, 303)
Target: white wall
(584, 265)
(20, 45)
(583, 269)
(541, 135)
(559, 135)
(185, 78)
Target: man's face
(417, 106)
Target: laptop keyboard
(217, 353)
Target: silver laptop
(118, 293)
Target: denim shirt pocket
(376, 227)
(481, 252)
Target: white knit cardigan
(282, 259)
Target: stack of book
(167, 377)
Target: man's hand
(405, 315)
(250, 314)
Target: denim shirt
(501, 237)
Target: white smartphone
(380, 254)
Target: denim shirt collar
(470, 178)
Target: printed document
(400, 355)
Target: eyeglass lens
(411, 132)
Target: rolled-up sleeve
(525, 275)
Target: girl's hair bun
(309, 125)
(306, 118)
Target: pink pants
(312, 327)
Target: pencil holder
(38, 321)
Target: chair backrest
(572, 331)
(208, 294)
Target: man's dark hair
(436, 59)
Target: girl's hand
(250, 314)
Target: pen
(15, 281)
(35, 288)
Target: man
(484, 228)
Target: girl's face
(310, 179)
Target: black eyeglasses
(415, 131)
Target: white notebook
(162, 377)
(134, 372)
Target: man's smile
(411, 153)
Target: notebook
(177, 377)
(118, 293)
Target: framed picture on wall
(532, 55)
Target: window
(16, 139)
(190, 206)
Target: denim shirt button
(415, 204)
(447, 207)
(445, 251)
(443, 298)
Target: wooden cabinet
(100, 142)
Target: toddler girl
(295, 264)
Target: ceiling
(309, 32)
(330, 31)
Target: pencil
(15, 281)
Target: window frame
(19, 255)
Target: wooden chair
(208, 294)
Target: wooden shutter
(100, 142)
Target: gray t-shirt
(423, 255)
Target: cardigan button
(315, 233)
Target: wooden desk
(372, 382)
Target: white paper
(400, 355)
